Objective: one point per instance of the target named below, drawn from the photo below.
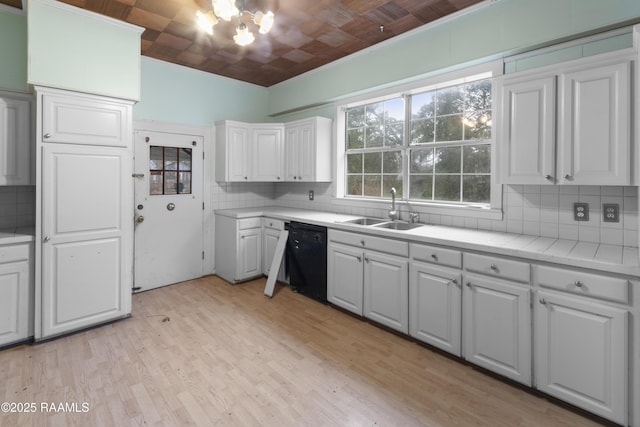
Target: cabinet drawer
(365, 241)
(435, 255)
(497, 267)
(246, 223)
(13, 253)
(583, 283)
(276, 224)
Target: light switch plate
(611, 212)
(581, 211)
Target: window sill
(427, 208)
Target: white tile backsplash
(17, 206)
(538, 210)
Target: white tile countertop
(609, 258)
(19, 235)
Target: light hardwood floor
(207, 353)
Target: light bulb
(243, 36)
(264, 20)
(206, 21)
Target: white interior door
(168, 209)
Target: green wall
(84, 51)
(13, 51)
(176, 94)
(491, 31)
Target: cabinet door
(386, 290)
(435, 306)
(594, 126)
(238, 146)
(581, 354)
(14, 301)
(85, 119)
(87, 237)
(249, 253)
(345, 277)
(267, 154)
(307, 156)
(497, 327)
(528, 131)
(293, 164)
(15, 142)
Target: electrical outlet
(611, 212)
(310, 194)
(581, 211)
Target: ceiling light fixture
(227, 10)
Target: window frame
(491, 70)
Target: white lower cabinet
(238, 248)
(16, 292)
(496, 330)
(435, 306)
(369, 276)
(345, 278)
(582, 344)
(435, 296)
(386, 291)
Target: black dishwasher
(307, 256)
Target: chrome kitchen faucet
(393, 214)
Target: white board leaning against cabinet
(84, 205)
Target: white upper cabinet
(528, 130)
(274, 152)
(594, 125)
(569, 125)
(85, 120)
(308, 150)
(16, 156)
(233, 151)
(267, 146)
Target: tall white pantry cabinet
(84, 205)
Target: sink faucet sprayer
(393, 214)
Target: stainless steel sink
(364, 221)
(399, 225)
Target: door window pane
(164, 162)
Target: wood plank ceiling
(307, 33)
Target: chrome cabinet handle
(46, 136)
(46, 239)
(366, 259)
(548, 177)
(434, 257)
(543, 301)
(493, 267)
(454, 281)
(362, 242)
(567, 176)
(469, 285)
(578, 284)
(359, 259)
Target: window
(169, 170)
(432, 145)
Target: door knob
(139, 218)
